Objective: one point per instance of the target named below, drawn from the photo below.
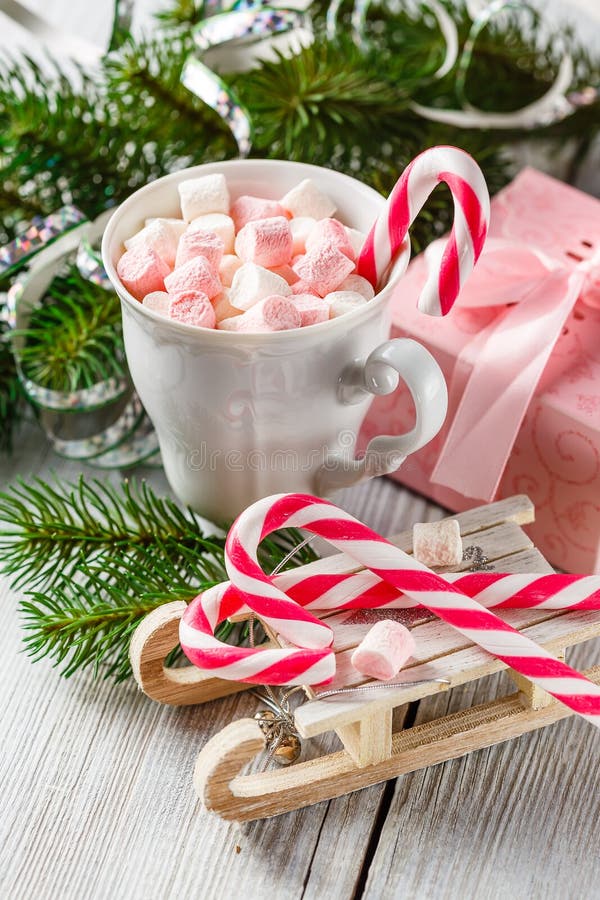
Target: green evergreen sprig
(96, 559)
(48, 530)
(11, 398)
(74, 339)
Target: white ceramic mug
(242, 416)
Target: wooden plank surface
(95, 781)
(95, 785)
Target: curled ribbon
(248, 30)
(110, 426)
(556, 104)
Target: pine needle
(95, 559)
(74, 339)
(11, 398)
(48, 530)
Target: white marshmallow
(357, 239)
(220, 225)
(158, 235)
(199, 196)
(307, 200)
(178, 225)
(438, 543)
(301, 227)
(228, 267)
(341, 302)
(252, 283)
(232, 323)
(158, 302)
(358, 285)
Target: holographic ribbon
(213, 91)
(554, 106)
(39, 234)
(105, 422)
(249, 30)
(358, 22)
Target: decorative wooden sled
(363, 720)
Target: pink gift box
(521, 356)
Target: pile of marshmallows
(253, 265)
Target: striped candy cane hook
(471, 218)
(398, 569)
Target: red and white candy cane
(462, 249)
(394, 566)
(254, 665)
(337, 591)
(494, 590)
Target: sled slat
(564, 630)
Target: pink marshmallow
(301, 287)
(195, 275)
(312, 309)
(142, 271)
(384, 650)
(249, 209)
(330, 232)
(193, 308)
(324, 268)
(438, 543)
(271, 314)
(285, 272)
(266, 242)
(158, 302)
(200, 243)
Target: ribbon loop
(506, 360)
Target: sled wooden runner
(363, 720)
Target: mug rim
(184, 328)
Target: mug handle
(380, 373)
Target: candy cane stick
(357, 590)
(397, 568)
(471, 218)
(494, 590)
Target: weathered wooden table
(95, 780)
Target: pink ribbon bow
(507, 358)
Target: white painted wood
(95, 782)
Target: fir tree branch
(301, 106)
(11, 398)
(48, 530)
(101, 558)
(74, 339)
